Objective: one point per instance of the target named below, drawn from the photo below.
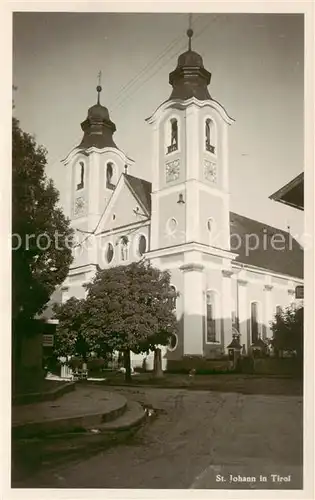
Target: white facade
(185, 228)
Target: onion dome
(190, 78)
(190, 59)
(98, 128)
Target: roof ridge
(262, 223)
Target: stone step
(133, 415)
(84, 408)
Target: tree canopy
(287, 329)
(127, 308)
(41, 234)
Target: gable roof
(284, 257)
(141, 189)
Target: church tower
(93, 169)
(190, 196)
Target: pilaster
(193, 308)
(243, 314)
(93, 191)
(227, 305)
(268, 309)
(192, 142)
(192, 211)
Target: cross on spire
(99, 87)
(190, 31)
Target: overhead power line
(151, 64)
(140, 85)
(127, 97)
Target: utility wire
(148, 66)
(127, 97)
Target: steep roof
(275, 250)
(282, 254)
(141, 189)
(292, 193)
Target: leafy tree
(41, 234)
(287, 329)
(128, 308)
(69, 338)
(36, 221)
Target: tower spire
(99, 87)
(189, 31)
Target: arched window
(124, 248)
(173, 145)
(80, 175)
(142, 245)
(173, 342)
(210, 139)
(109, 253)
(110, 175)
(173, 297)
(254, 322)
(213, 321)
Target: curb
(38, 397)
(221, 388)
(67, 425)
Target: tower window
(174, 136)
(209, 136)
(109, 176)
(80, 184)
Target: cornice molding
(242, 282)
(184, 104)
(189, 247)
(87, 151)
(193, 266)
(268, 288)
(227, 273)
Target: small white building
(229, 270)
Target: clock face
(210, 171)
(172, 170)
(79, 206)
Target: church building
(231, 272)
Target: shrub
(201, 364)
(96, 364)
(75, 363)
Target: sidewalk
(82, 409)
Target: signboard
(299, 292)
(48, 340)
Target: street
(199, 439)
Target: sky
(257, 66)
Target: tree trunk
(158, 372)
(127, 363)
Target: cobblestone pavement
(198, 440)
